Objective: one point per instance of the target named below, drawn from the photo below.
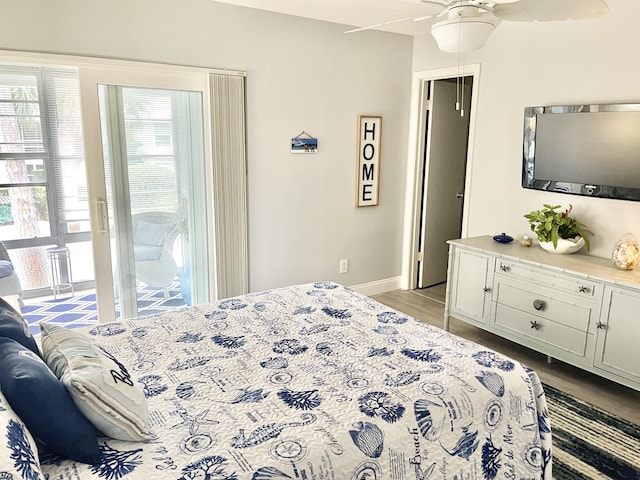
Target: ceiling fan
(470, 22)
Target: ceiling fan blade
(426, 17)
(429, 7)
(441, 3)
(371, 27)
(550, 10)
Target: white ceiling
(397, 15)
(355, 13)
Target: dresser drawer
(540, 330)
(559, 281)
(543, 303)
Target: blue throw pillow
(6, 268)
(12, 325)
(44, 405)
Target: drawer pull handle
(534, 325)
(504, 268)
(601, 326)
(583, 289)
(486, 289)
(538, 304)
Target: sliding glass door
(146, 146)
(153, 153)
(115, 167)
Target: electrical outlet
(344, 265)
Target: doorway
(443, 107)
(444, 170)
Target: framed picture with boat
(304, 143)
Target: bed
(310, 381)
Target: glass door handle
(103, 219)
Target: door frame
(415, 173)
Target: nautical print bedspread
(318, 382)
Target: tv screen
(591, 150)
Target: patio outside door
(153, 155)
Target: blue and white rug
(589, 443)
(80, 310)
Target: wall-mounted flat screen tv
(591, 150)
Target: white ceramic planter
(570, 245)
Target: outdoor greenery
(5, 215)
(550, 225)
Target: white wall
(526, 64)
(301, 75)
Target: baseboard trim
(379, 286)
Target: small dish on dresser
(503, 238)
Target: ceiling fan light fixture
(462, 35)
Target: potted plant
(554, 228)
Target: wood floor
(428, 305)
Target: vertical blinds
(230, 184)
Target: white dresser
(576, 308)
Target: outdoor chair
(9, 281)
(154, 234)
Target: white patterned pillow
(99, 384)
(18, 450)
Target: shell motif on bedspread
(270, 473)
(431, 418)
(368, 438)
(492, 381)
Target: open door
(446, 142)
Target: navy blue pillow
(12, 325)
(44, 405)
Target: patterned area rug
(80, 310)
(589, 443)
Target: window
(163, 134)
(43, 192)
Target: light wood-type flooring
(428, 305)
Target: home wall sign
(304, 143)
(368, 174)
